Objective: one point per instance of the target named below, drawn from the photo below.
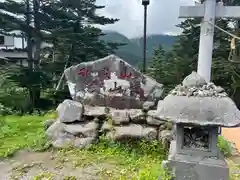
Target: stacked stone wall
(79, 126)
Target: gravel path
(29, 165)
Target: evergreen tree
(184, 55)
(68, 25)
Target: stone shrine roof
(200, 103)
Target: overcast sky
(162, 16)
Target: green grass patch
(130, 160)
(20, 132)
(224, 146)
(137, 160)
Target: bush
(12, 96)
(5, 110)
(224, 146)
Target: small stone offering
(195, 85)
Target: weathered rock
(130, 131)
(77, 135)
(162, 127)
(136, 116)
(148, 105)
(153, 121)
(194, 80)
(48, 123)
(67, 140)
(149, 133)
(70, 111)
(111, 82)
(57, 136)
(63, 140)
(159, 103)
(82, 129)
(120, 116)
(152, 118)
(106, 127)
(94, 111)
(96, 120)
(83, 142)
(169, 126)
(55, 130)
(165, 135)
(133, 131)
(219, 89)
(166, 126)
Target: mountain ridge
(132, 52)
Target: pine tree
(68, 25)
(184, 55)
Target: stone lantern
(198, 109)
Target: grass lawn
(137, 161)
(18, 132)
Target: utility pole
(145, 3)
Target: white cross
(209, 11)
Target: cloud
(162, 16)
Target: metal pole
(206, 40)
(144, 38)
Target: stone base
(118, 102)
(186, 167)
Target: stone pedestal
(194, 154)
(198, 109)
(188, 167)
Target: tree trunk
(36, 89)
(29, 51)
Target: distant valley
(132, 52)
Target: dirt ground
(35, 166)
(27, 165)
(233, 135)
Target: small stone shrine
(198, 109)
(111, 82)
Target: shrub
(224, 146)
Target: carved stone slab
(111, 82)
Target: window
(196, 138)
(2, 40)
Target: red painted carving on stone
(83, 72)
(124, 74)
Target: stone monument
(111, 82)
(198, 109)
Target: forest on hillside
(132, 50)
(70, 27)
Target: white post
(206, 40)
